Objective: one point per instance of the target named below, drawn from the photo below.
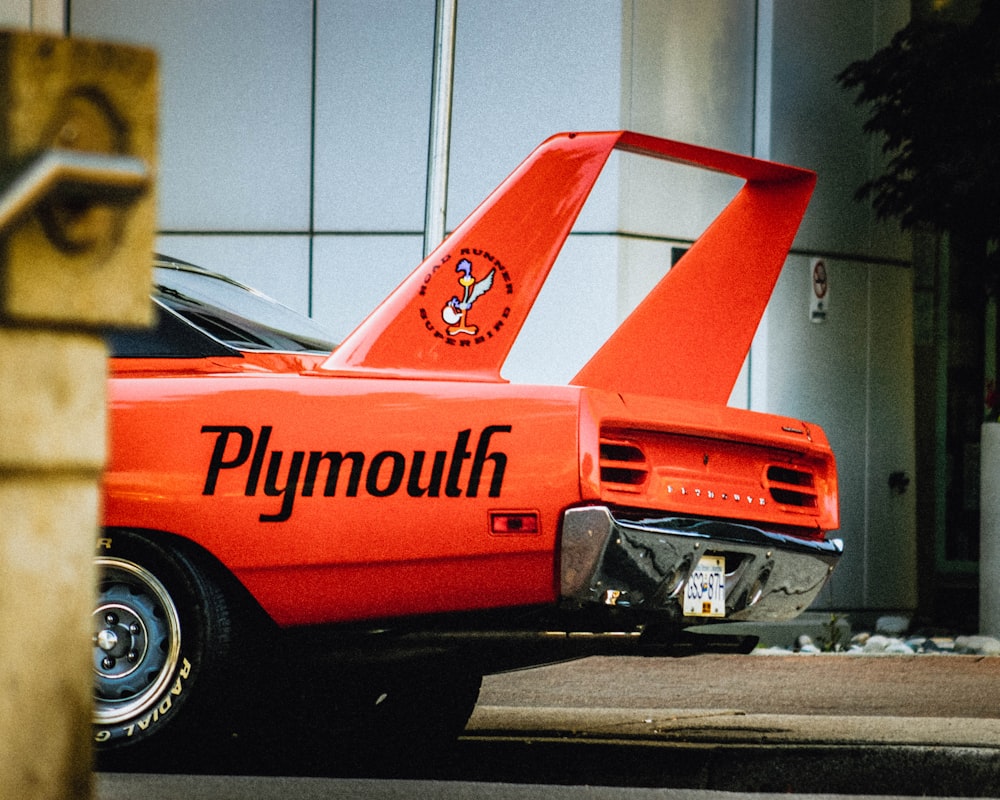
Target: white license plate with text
(705, 591)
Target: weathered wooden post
(77, 224)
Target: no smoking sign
(819, 297)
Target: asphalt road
(874, 725)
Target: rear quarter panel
(240, 464)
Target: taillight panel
(721, 478)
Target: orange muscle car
(383, 522)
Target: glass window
(235, 314)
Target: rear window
(236, 315)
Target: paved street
(885, 725)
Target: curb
(731, 751)
(731, 727)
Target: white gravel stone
(876, 644)
(977, 645)
(892, 625)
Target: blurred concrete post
(989, 530)
(77, 225)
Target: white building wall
(853, 374)
(373, 88)
(294, 149)
(40, 16)
(235, 117)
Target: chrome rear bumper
(645, 564)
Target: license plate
(705, 592)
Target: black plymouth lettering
(482, 456)
(432, 489)
(458, 455)
(296, 473)
(395, 475)
(218, 460)
(258, 460)
(334, 462)
(286, 492)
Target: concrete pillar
(76, 235)
(989, 531)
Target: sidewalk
(858, 724)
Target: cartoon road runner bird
(455, 310)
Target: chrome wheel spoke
(136, 640)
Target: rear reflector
(514, 522)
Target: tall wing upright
(690, 335)
(441, 322)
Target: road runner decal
(474, 277)
(334, 472)
(456, 311)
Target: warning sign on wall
(819, 295)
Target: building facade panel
(690, 77)
(275, 265)
(235, 106)
(353, 273)
(523, 71)
(819, 372)
(892, 489)
(40, 16)
(573, 315)
(373, 90)
(815, 124)
(15, 14)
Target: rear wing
(457, 315)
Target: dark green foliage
(934, 93)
